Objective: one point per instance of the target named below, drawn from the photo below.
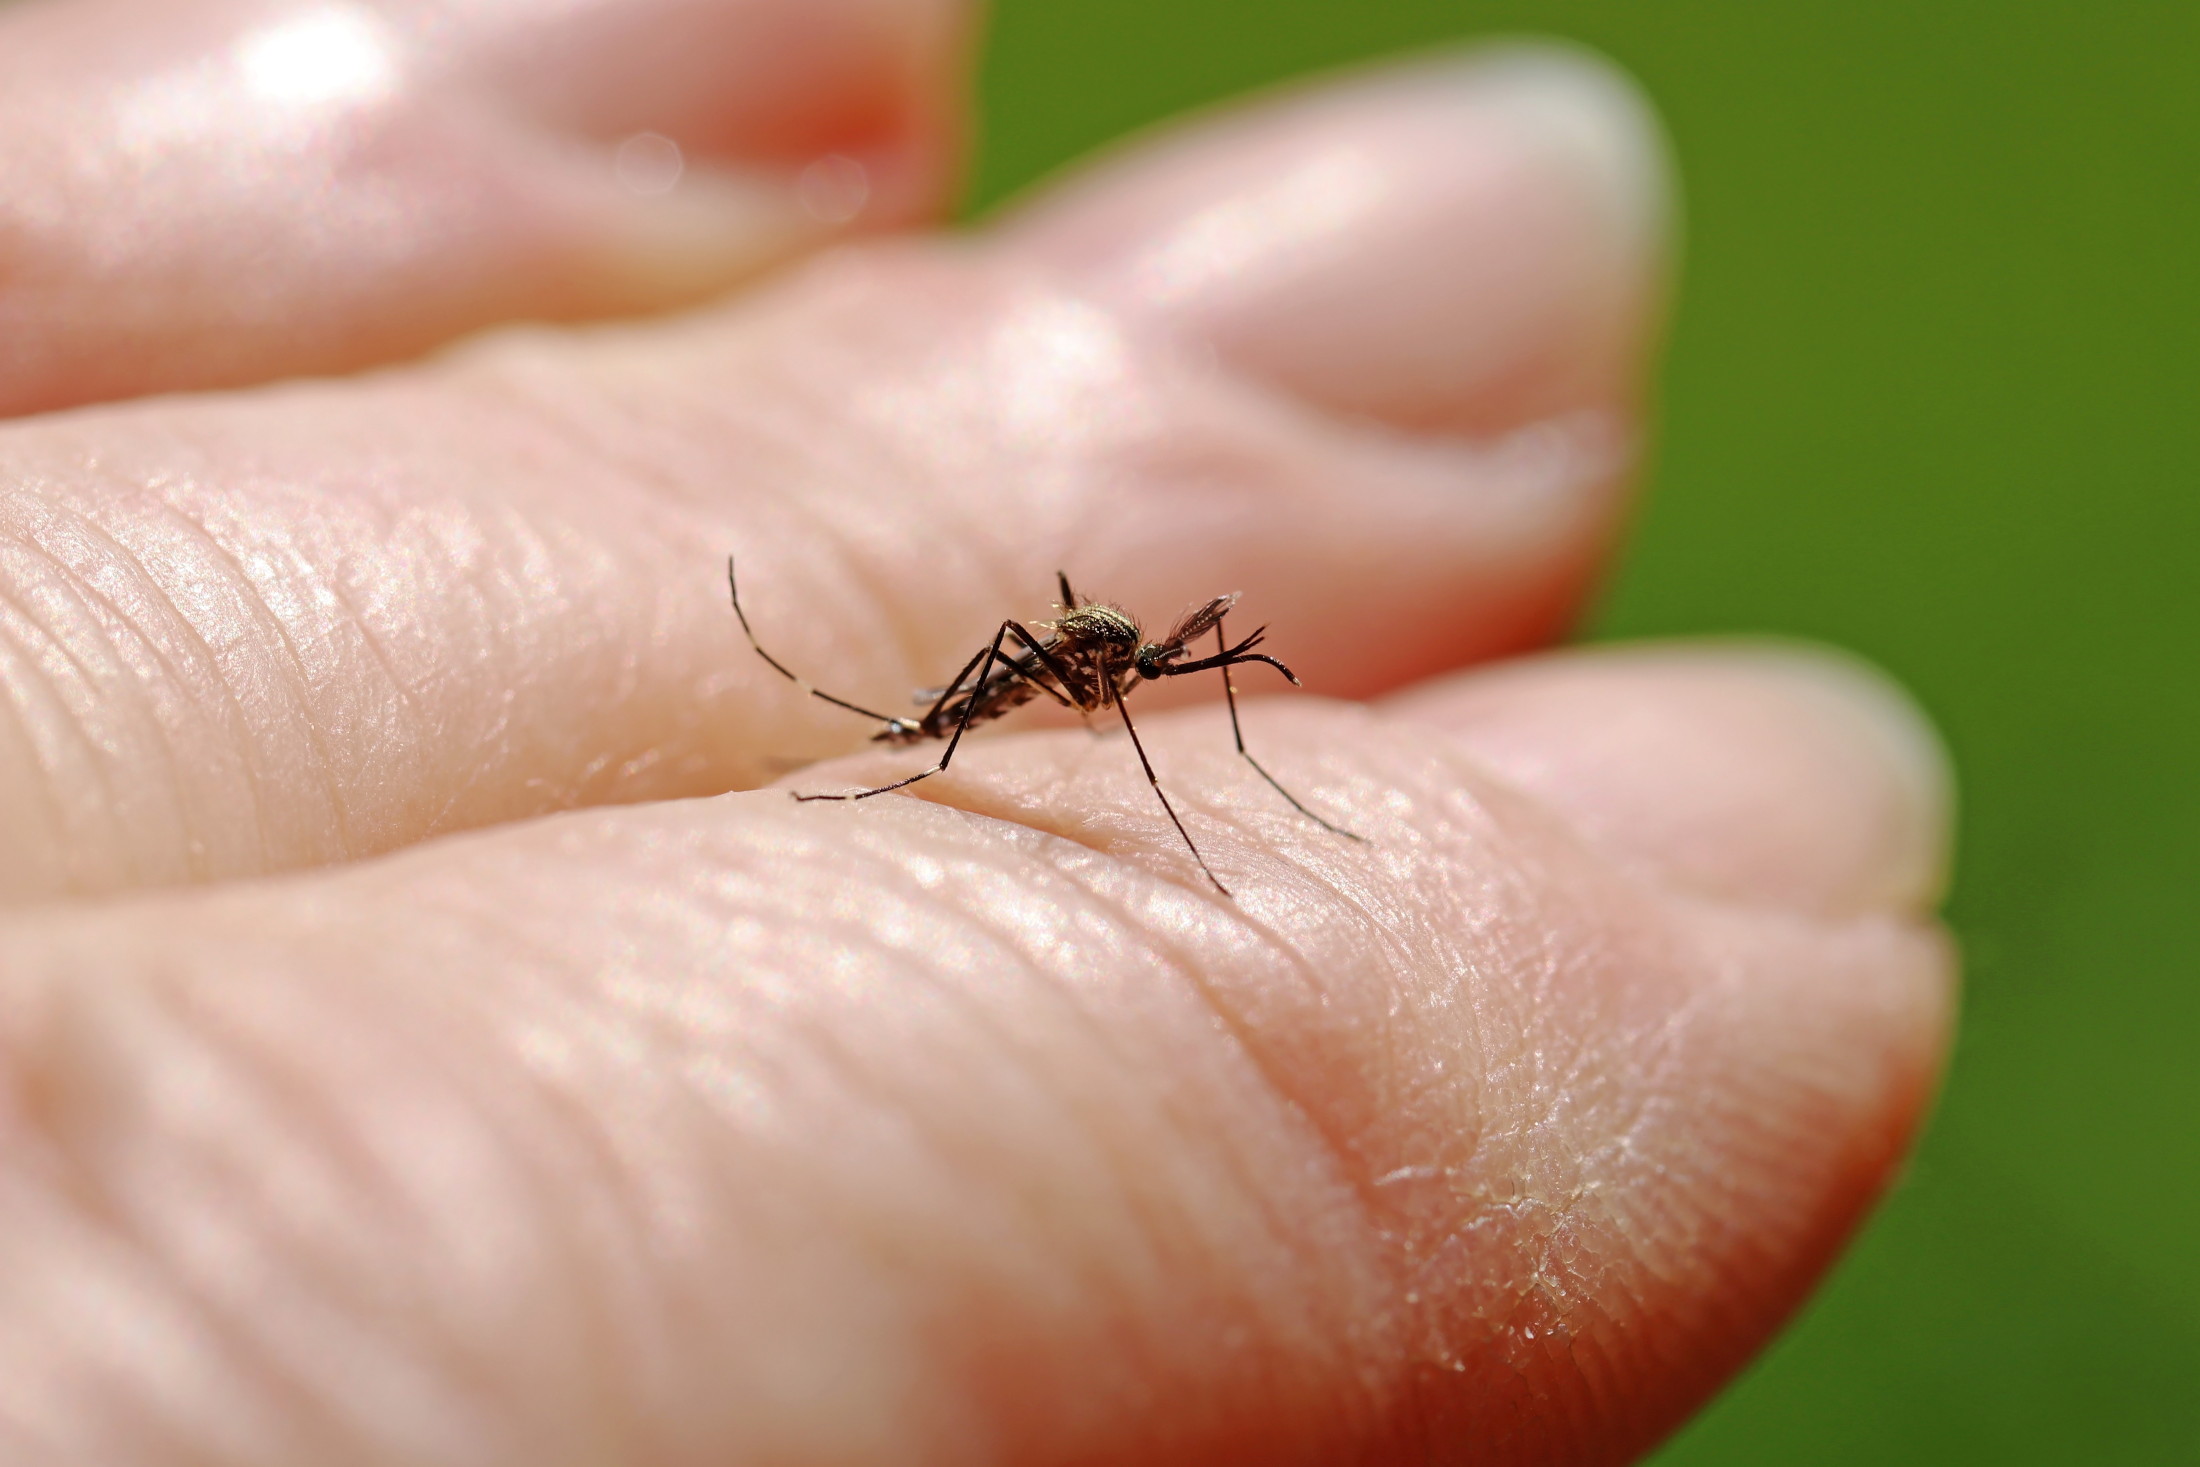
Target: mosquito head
(1152, 660)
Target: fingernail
(347, 183)
(1787, 777)
(670, 227)
(1448, 244)
(704, 144)
(665, 149)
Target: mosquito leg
(1046, 664)
(984, 663)
(898, 725)
(947, 694)
(1069, 603)
(1159, 794)
(953, 687)
(1229, 692)
(1046, 659)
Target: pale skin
(412, 1054)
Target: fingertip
(1454, 242)
(1776, 774)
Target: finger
(1453, 314)
(231, 191)
(252, 634)
(754, 1131)
(1736, 831)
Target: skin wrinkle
(625, 1037)
(1664, 1063)
(496, 737)
(757, 419)
(234, 1045)
(999, 1045)
(1604, 451)
(632, 1348)
(24, 677)
(362, 633)
(47, 1396)
(1390, 931)
(59, 584)
(1345, 1154)
(582, 1162)
(1565, 1212)
(1232, 1025)
(1002, 1046)
(538, 546)
(1344, 1150)
(837, 562)
(121, 1217)
(834, 560)
(855, 1075)
(71, 582)
(995, 1043)
(162, 728)
(368, 638)
(1784, 1286)
(631, 1351)
(644, 468)
(118, 624)
(1549, 1214)
(873, 572)
(586, 1117)
(299, 706)
(509, 1116)
(219, 1329)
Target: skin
(410, 1052)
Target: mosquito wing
(1201, 620)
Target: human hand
(966, 1127)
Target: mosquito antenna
(1069, 597)
(1229, 692)
(734, 590)
(1159, 793)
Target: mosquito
(1088, 659)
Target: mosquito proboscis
(1089, 658)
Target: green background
(1931, 395)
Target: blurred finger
(258, 633)
(979, 1128)
(229, 191)
(1524, 289)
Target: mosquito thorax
(1099, 624)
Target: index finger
(258, 633)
